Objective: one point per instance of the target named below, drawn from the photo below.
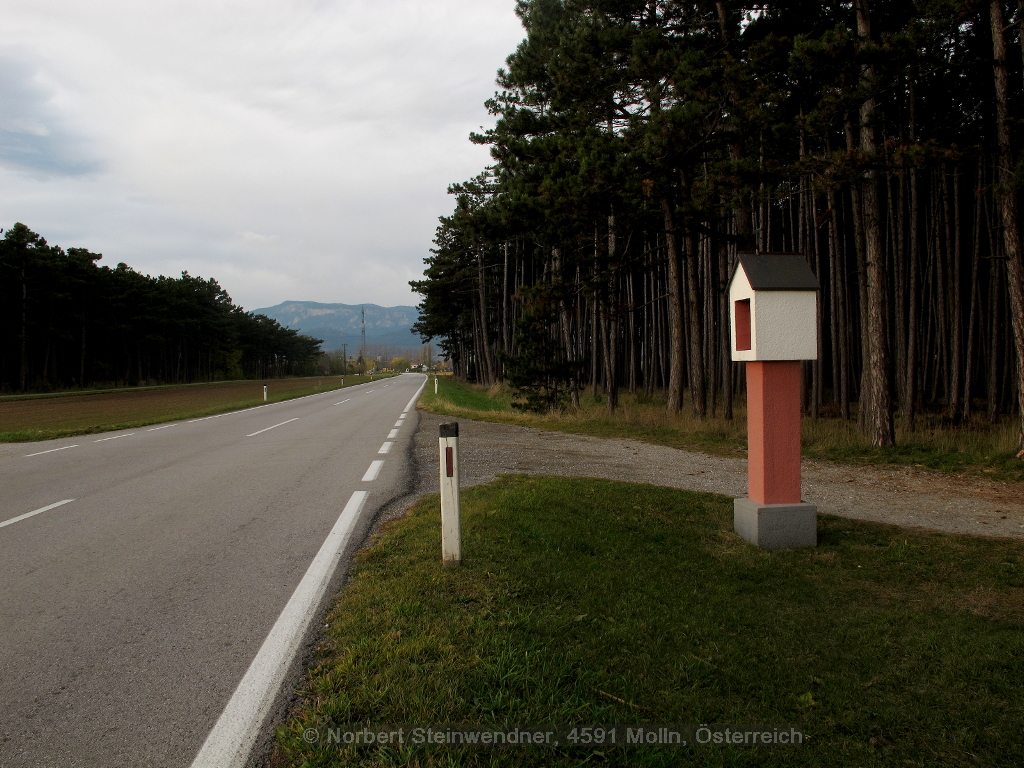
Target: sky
(295, 150)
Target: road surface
(142, 571)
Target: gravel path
(906, 497)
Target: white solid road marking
(115, 437)
(36, 512)
(385, 448)
(392, 434)
(27, 455)
(344, 401)
(273, 427)
(154, 429)
(412, 403)
(233, 737)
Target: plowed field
(48, 417)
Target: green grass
(29, 419)
(977, 448)
(459, 397)
(890, 648)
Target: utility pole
(344, 359)
(362, 351)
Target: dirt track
(906, 497)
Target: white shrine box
(774, 302)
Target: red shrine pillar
(774, 328)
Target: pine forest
(640, 145)
(68, 322)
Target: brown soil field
(49, 417)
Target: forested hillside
(640, 144)
(341, 324)
(66, 321)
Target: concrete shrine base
(776, 526)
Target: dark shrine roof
(777, 272)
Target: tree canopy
(66, 321)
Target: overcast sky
(292, 149)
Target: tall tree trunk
(81, 360)
(857, 217)
(46, 354)
(565, 321)
(23, 366)
(595, 330)
(897, 219)
(840, 326)
(631, 333)
(505, 321)
(994, 336)
(485, 339)
(611, 357)
(965, 413)
(611, 362)
(1008, 201)
(726, 351)
(909, 408)
(675, 312)
(698, 389)
(956, 308)
(729, 26)
(880, 422)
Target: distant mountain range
(339, 324)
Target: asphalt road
(129, 615)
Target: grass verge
(25, 420)
(978, 448)
(594, 602)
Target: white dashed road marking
(35, 512)
(273, 427)
(27, 455)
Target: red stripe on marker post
(451, 522)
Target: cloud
(293, 149)
(34, 136)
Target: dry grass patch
(978, 448)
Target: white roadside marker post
(264, 393)
(435, 383)
(451, 516)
